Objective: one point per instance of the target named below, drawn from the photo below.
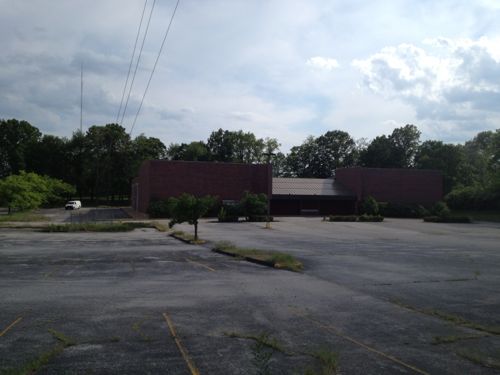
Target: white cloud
(447, 79)
(324, 63)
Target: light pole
(268, 216)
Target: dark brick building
(160, 179)
(393, 185)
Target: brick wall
(393, 185)
(162, 179)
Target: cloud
(445, 79)
(323, 63)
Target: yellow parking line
(185, 355)
(10, 326)
(200, 264)
(359, 343)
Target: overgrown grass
(186, 237)
(97, 227)
(452, 318)
(23, 217)
(275, 259)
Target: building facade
(160, 179)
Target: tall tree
(448, 158)
(405, 142)
(145, 148)
(239, 147)
(395, 151)
(194, 151)
(16, 137)
(319, 157)
(49, 156)
(107, 149)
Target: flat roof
(310, 186)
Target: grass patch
(97, 227)
(480, 358)
(186, 237)
(32, 366)
(452, 318)
(160, 227)
(265, 346)
(328, 361)
(23, 217)
(274, 259)
(63, 339)
(263, 339)
(35, 364)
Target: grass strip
(454, 319)
(96, 227)
(270, 258)
(23, 217)
(186, 237)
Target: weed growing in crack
(262, 354)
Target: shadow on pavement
(97, 214)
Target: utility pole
(81, 97)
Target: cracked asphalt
(383, 296)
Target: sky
(278, 68)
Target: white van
(73, 205)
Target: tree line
(103, 161)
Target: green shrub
(159, 209)
(440, 209)
(473, 198)
(402, 210)
(369, 206)
(342, 218)
(260, 218)
(371, 218)
(253, 205)
(224, 215)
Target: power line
(138, 59)
(154, 66)
(131, 60)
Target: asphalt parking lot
(398, 297)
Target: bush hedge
(401, 210)
(369, 206)
(371, 218)
(259, 218)
(342, 218)
(473, 198)
(159, 209)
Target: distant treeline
(103, 161)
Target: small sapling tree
(188, 208)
